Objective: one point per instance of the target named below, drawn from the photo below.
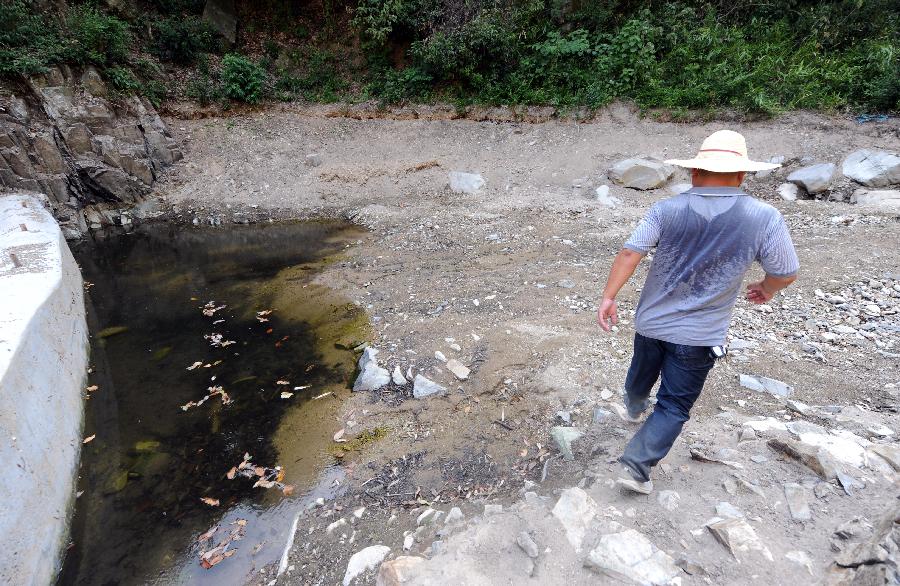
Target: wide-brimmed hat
(724, 151)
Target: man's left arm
(778, 258)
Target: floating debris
(218, 340)
(210, 501)
(222, 550)
(113, 331)
(265, 477)
(210, 308)
(89, 439)
(213, 391)
(262, 316)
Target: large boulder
(873, 168)
(641, 173)
(815, 178)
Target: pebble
(458, 369)
(527, 544)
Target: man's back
(706, 239)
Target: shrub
(95, 37)
(182, 39)
(122, 80)
(242, 79)
(28, 42)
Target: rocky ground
(499, 286)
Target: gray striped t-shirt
(706, 239)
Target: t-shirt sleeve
(647, 233)
(777, 254)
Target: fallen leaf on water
(92, 388)
(310, 367)
(240, 522)
(89, 439)
(264, 483)
(195, 365)
(231, 473)
(113, 331)
(282, 382)
(300, 388)
(287, 489)
(210, 501)
(269, 331)
(286, 395)
(339, 434)
(280, 476)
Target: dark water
(151, 462)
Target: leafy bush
(181, 39)
(95, 37)
(122, 80)
(28, 43)
(242, 79)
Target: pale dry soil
(486, 272)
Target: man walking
(706, 239)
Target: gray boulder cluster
(62, 134)
(866, 177)
(373, 377)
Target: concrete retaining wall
(43, 361)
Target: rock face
(640, 173)
(60, 136)
(872, 168)
(815, 178)
(631, 557)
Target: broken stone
(605, 199)
(630, 556)
(491, 510)
(802, 558)
(691, 566)
(813, 458)
(883, 199)
(872, 168)
(796, 501)
(423, 387)
(848, 483)
(371, 377)
(641, 173)
(458, 369)
(729, 511)
(601, 414)
(891, 453)
(397, 377)
(527, 544)
(788, 191)
(454, 516)
(465, 182)
(815, 178)
(738, 536)
(767, 385)
(564, 436)
(575, 510)
(364, 560)
(428, 516)
(668, 499)
(397, 571)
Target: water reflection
(144, 475)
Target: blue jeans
(683, 369)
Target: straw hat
(724, 151)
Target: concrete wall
(43, 361)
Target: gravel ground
(506, 281)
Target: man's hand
(606, 314)
(758, 294)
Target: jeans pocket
(694, 356)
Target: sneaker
(623, 414)
(635, 485)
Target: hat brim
(723, 166)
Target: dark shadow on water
(151, 462)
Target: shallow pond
(178, 314)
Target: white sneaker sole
(622, 412)
(635, 486)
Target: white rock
(847, 448)
(575, 510)
(630, 556)
(335, 526)
(458, 369)
(440, 356)
(454, 516)
(728, 511)
(815, 178)
(371, 376)
(398, 377)
(313, 159)
(465, 182)
(768, 385)
(409, 541)
(606, 394)
(429, 516)
(527, 544)
(767, 424)
(639, 173)
(668, 499)
(364, 560)
(491, 510)
(872, 168)
(423, 387)
(802, 558)
(564, 436)
(788, 191)
(400, 570)
(738, 536)
(605, 199)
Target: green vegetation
(678, 55)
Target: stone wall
(43, 365)
(63, 134)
